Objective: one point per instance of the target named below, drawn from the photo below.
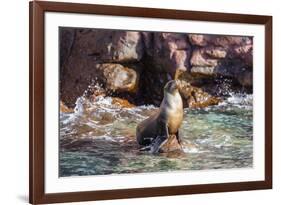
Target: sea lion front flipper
(158, 143)
(146, 148)
(179, 139)
(160, 140)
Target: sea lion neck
(173, 100)
(174, 92)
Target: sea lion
(155, 130)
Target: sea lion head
(171, 87)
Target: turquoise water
(99, 138)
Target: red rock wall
(136, 65)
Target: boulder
(201, 99)
(171, 145)
(123, 103)
(194, 97)
(118, 78)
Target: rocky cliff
(136, 65)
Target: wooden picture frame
(37, 11)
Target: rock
(94, 91)
(229, 41)
(215, 52)
(148, 38)
(194, 97)
(205, 71)
(201, 99)
(198, 39)
(245, 53)
(202, 65)
(171, 145)
(128, 47)
(64, 108)
(91, 47)
(222, 41)
(111, 45)
(171, 51)
(198, 59)
(180, 59)
(217, 55)
(118, 78)
(123, 103)
(136, 65)
(245, 78)
(67, 36)
(77, 72)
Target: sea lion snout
(178, 83)
(171, 86)
(174, 85)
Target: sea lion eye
(170, 85)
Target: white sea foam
(190, 150)
(240, 99)
(225, 142)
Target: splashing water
(99, 138)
